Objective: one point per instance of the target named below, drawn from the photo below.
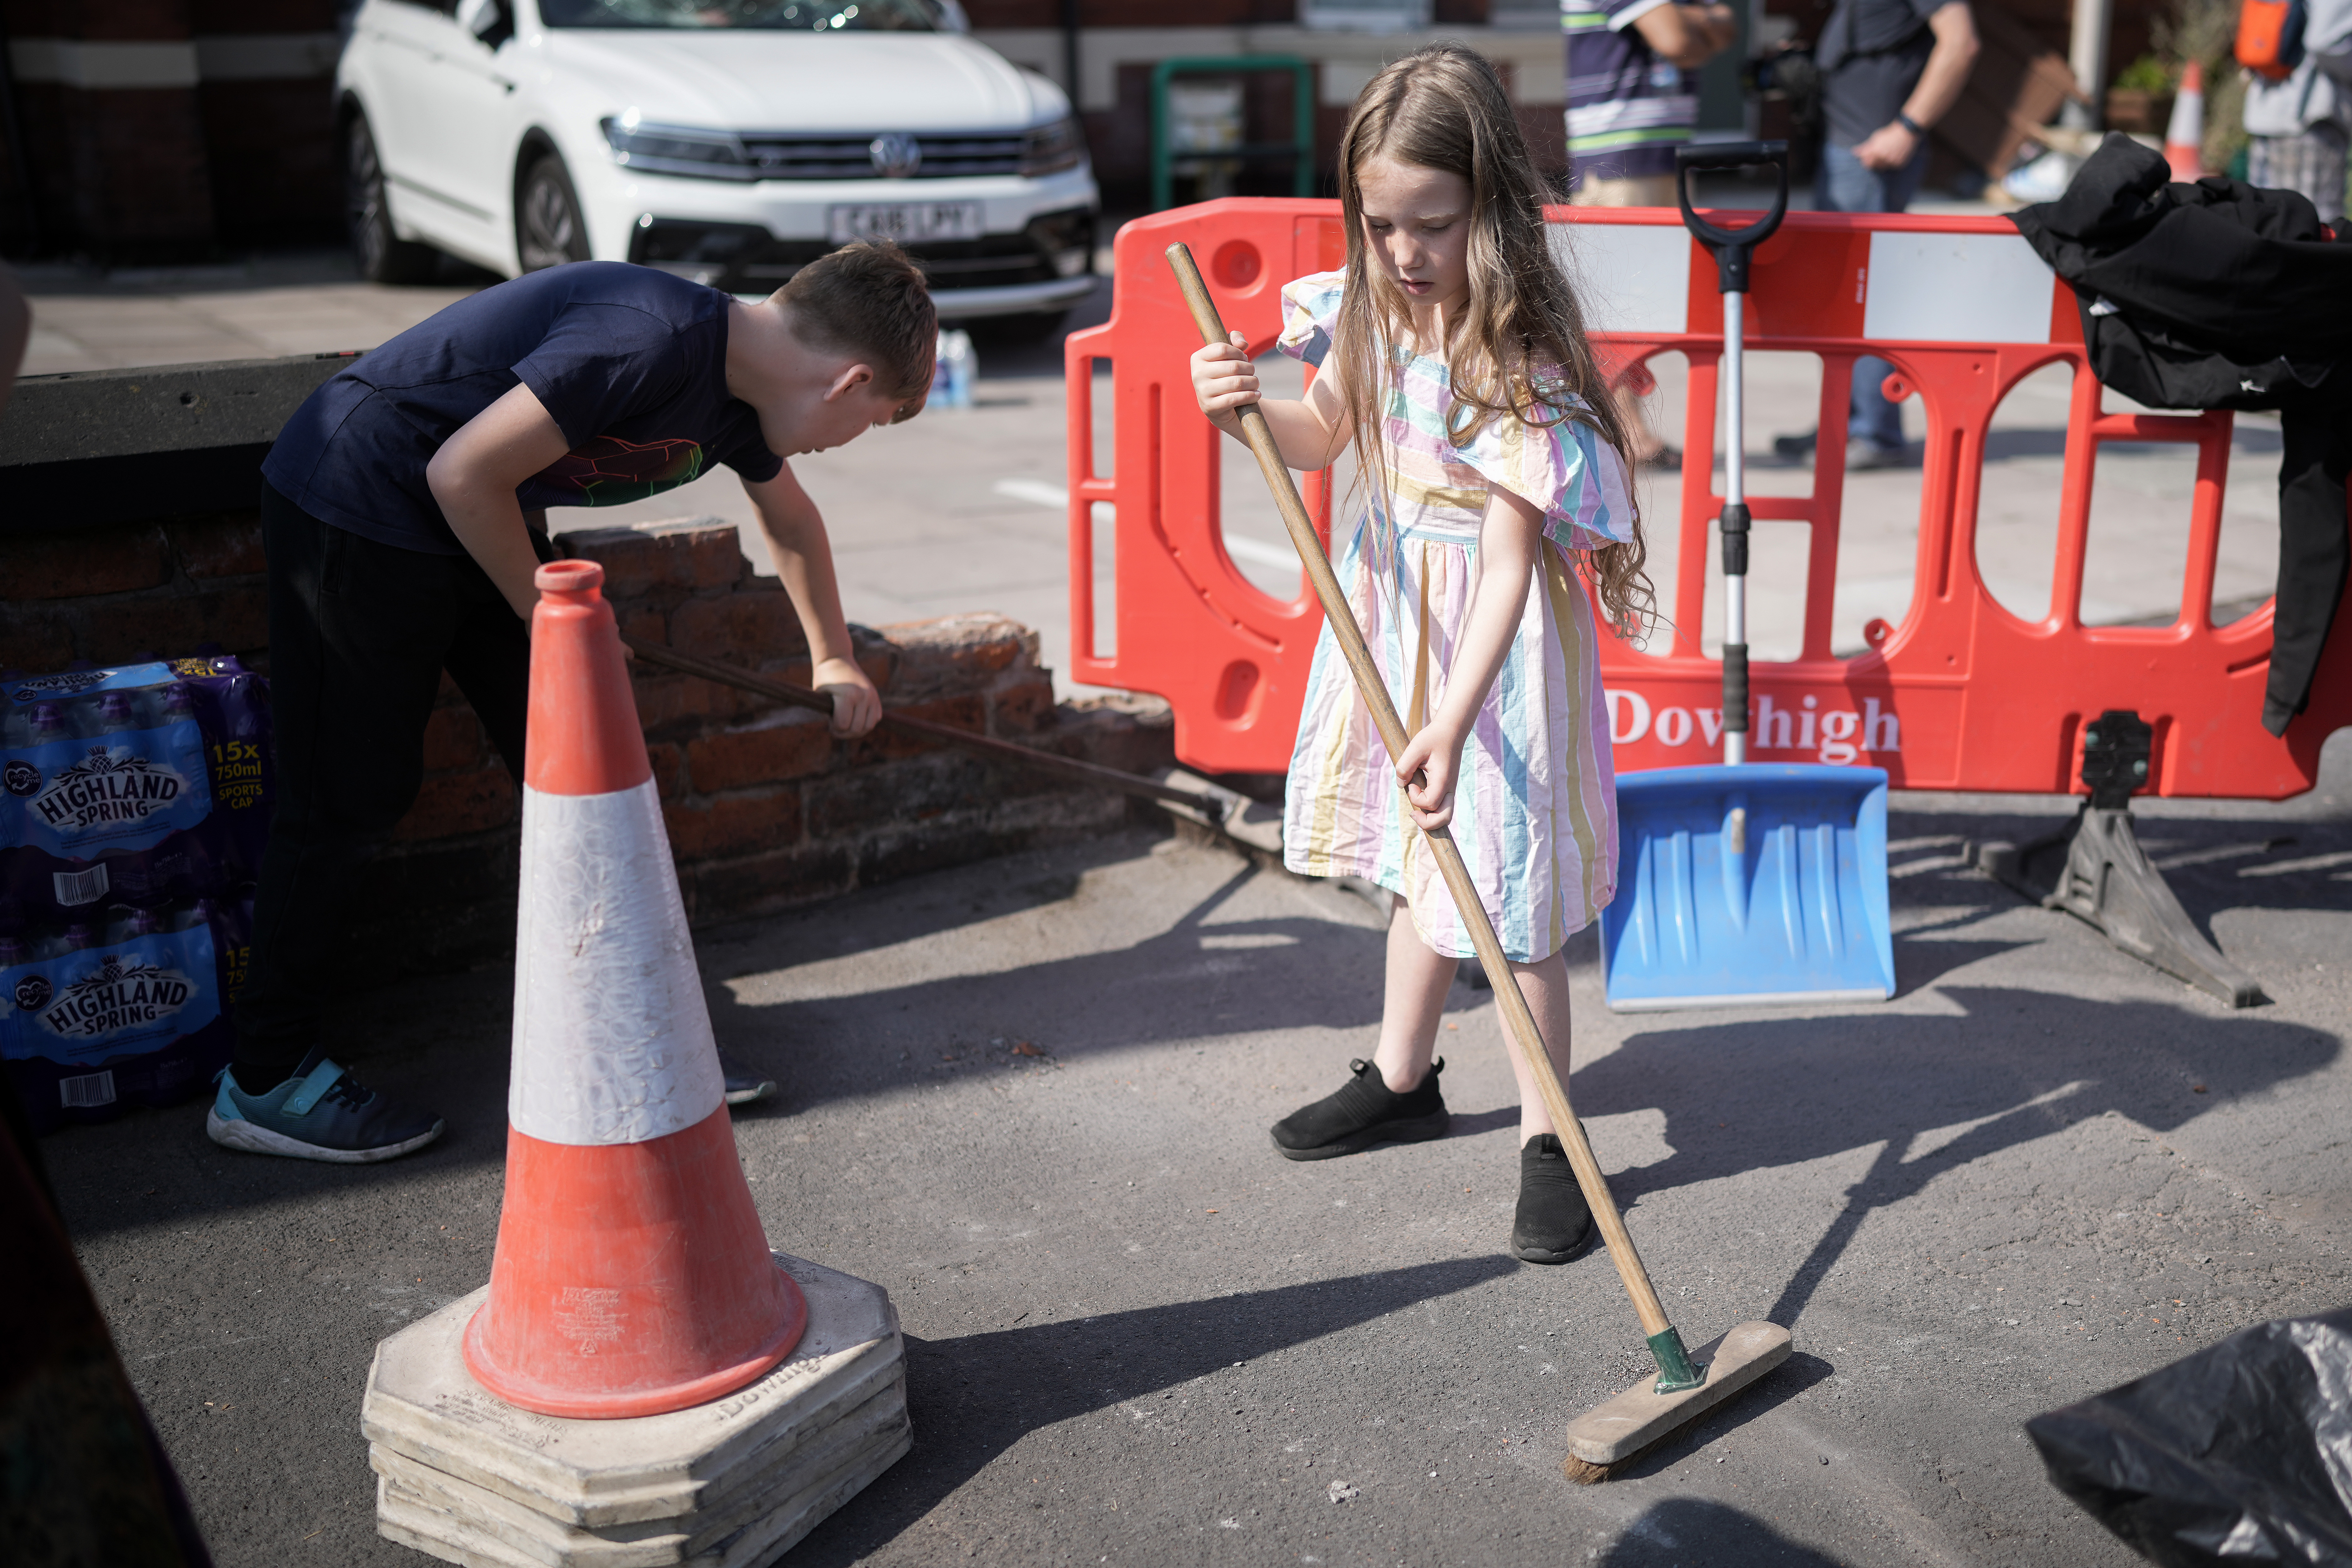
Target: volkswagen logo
(895, 155)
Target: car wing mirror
(491, 22)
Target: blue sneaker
(321, 1112)
(744, 1084)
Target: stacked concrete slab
(470, 1479)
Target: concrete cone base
(472, 1479)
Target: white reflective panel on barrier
(612, 1037)
(1629, 278)
(1956, 288)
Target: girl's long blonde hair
(1519, 347)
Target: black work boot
(1554, 1224)
(1364, 1112)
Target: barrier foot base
(2108, 882)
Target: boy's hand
(1222, 377)
(1435, 754)
(856, 706)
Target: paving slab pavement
(1135, 1335)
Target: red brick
(897, 795)
(645, 625)
(667, 700)
(79, 566)
(453, 739)
(668, 765)
(38, 642)
(723, 889)
(769, 754)
(749, 627)
(739, 824)
(225, 546)
(1023, 708)
(966, 713)
(957, 651)
(455, 803)
(691, 555)
(173, 624)
(165, 624)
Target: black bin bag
(2239, 1455)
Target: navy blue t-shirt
(630, 361)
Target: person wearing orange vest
(2298, 111)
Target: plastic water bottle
(955, 370)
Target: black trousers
(359, 635)
(2314, 553)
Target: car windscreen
(790, 16)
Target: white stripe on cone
(611, 1040)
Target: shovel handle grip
(1374, 691)
(1731, 245)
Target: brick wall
(766, 809)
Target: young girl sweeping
(1451, 354)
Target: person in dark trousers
(1890, 68)
(404, 520)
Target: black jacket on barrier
(2221, 295)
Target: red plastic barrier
(1962, 695)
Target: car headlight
(676, 150)
(1050, 148)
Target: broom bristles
(1583, 1474)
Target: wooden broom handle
(1516, 1014)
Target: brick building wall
(166, 129)
(765, 807)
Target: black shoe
(1364, 1112)
(1554, 1224)
(744, 1085)
(1795, 448)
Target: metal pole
(1735, 477)
(2086, 54)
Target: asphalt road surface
(1137, 1336)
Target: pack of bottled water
(128, 1006)
(134, 806)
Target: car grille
(945, 156)
(744, 259)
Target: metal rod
(1735, 482)
(1513, 1004)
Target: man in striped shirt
(1630, 103)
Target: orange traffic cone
(2184, 137)
(631, 1276)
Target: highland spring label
(106, 786)
(123, 993)
(136, 994)
(132, 789)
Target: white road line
(1241, 547)
(1037, 492)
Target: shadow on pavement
(1681, 1532)
(974, 1396)
(2012, 1067)
(1186, 982)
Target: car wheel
(549, 230)
(382, 254)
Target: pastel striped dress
(1534, 807)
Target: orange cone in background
(2184, 137)
(631, 1276)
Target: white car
(727, 140)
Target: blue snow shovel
(1747, 882)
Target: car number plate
(907, 221)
